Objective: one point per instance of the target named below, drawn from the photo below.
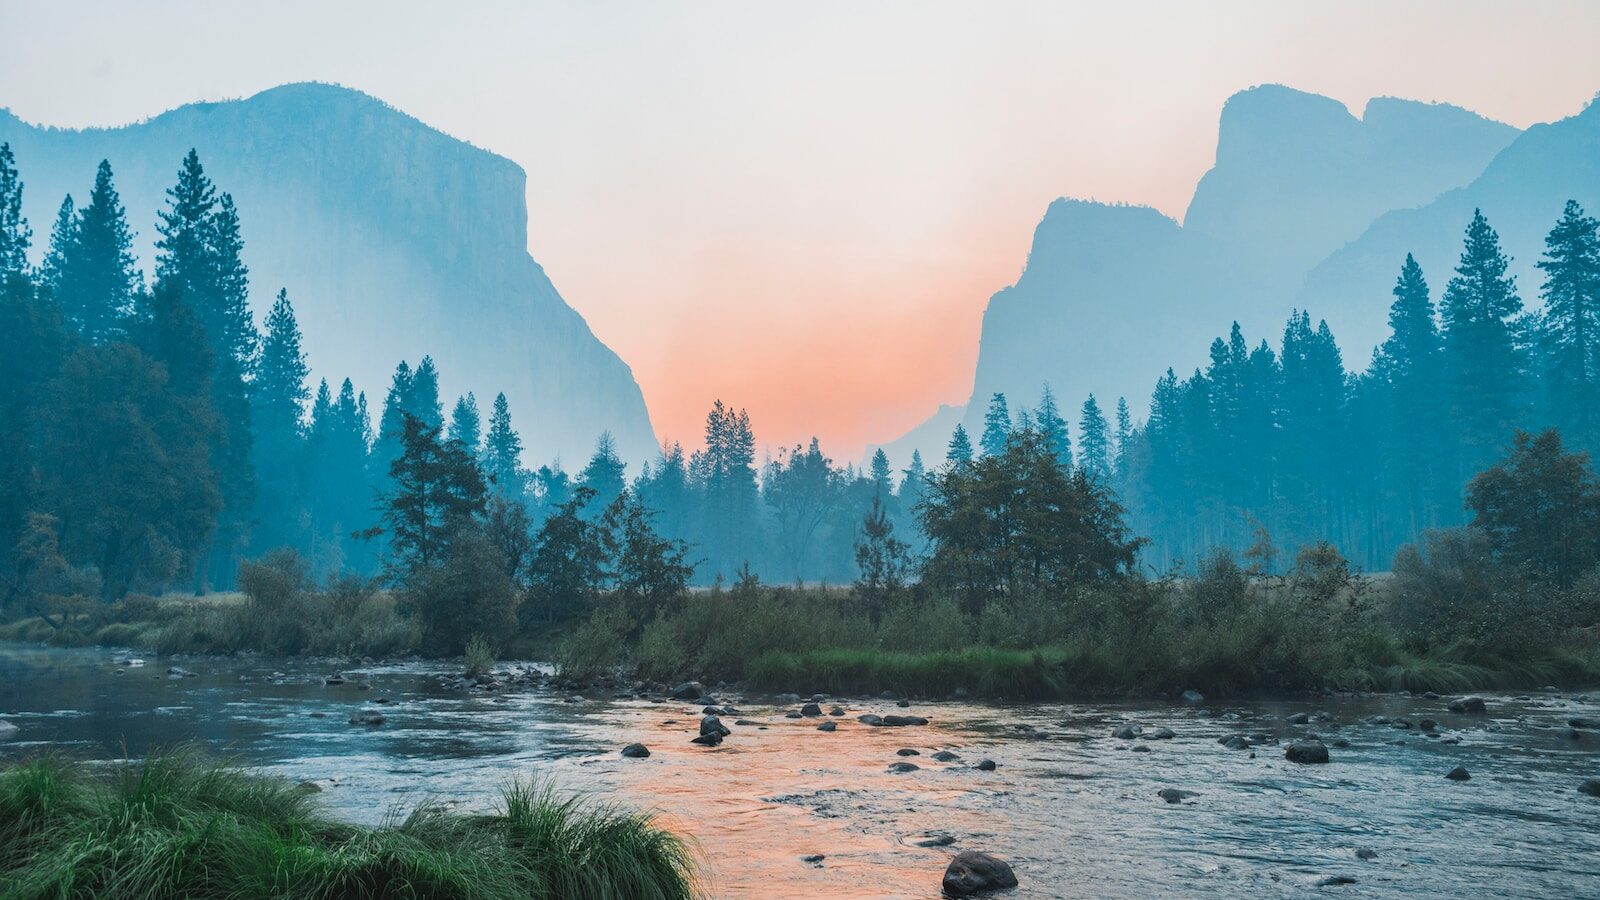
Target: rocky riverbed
(1191, 798)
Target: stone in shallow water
(902, 767)
(1468, 705)
(906, 751)
(1590, 786)
(1334, 880)
(636, 751)
(828, 726)
(946, 756)
(1459, 773)
(1306, 752)
(936, 839)
(986, 765)
(1174, 795)
(972, 873)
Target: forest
(161, 442)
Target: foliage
(177, 825)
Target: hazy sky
(802, 208)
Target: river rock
(813, 858)
(1140, 748)
(946, 756)
(713, 725)
(1306, 752)
(828, 726)
(811, 709)
(836, 711)
(1459, 773)
(899, 721)
(869, 719)
(986, 765)
(689, 690)
(636, 751)
(707, 740)
(1162, 734)
(1427, 724)
(903, 703)
(1366, 853)
(369, 717)
(793, 714)
(1173, 795)
(1299, 719)
(1193, 696)
(906, 751)
(936, 839)
(1235, 742)
(7, 730)
(1334, 880)
(1590, 786)
(1468, 705)
(901, 767)
(972, 873)
(1127, 732)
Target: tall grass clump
(179, 826)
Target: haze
(794, 209)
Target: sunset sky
(803, 208)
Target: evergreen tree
(63, 234)
(730, 512)
(340, 496)
(1485, 365)
(502, 451)
(1052, 427)
(604, 474)
(881, 473)
(913, 482)
(1095, 442)
(1409, 366)
(801, 489)
(466, 425)
(1124, 438)
(960, 449)
(996, 426)
(437, 495)
(98, 279)
(392, 421)
(423, 401)
(278, 400)
(1571, 352)
(15, 236)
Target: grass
(181, 826)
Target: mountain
(1111, 296)
(1521, 192)
(393, 239)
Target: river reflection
(1073, 808)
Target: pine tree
(423, 401)
(913, 481)
(1409, 366)
(1571, 331)
(98, 280)
(960, 449)
(466, 425)
(1124, 438)
(1485, 365)
(604, 474)
(1095, 442)
(996, 426)
(502, 451)
(881, 473)
(1053, 428)
(340, 496)
(63, 234)
(15, 236)
(278, 402)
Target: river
(1075, 810)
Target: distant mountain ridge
(393, 239)
(1111, 296)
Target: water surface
(1073, 808)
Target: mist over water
(1073, 808)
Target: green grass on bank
(178, 826)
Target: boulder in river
(902, 767)
(1162, 734)
(1127, 732)
(836, 711)
(713, 725)
(1306, 752)
(811, 709)
(1235, 742)
(1459, 773)
(936, 839)
(906, 751)
(1366, 853)
(370, 717)
(972, 873)
(1468, 706)
(689, 690)
(711, 739)
(1590, 786)
(946, 756)
(636, 751)
(986, 765)
(869, 719)
(1174, 795)
(828, 726)
(1334, 880)
(899, 721)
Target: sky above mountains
(803, 209)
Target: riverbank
(178, 825)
